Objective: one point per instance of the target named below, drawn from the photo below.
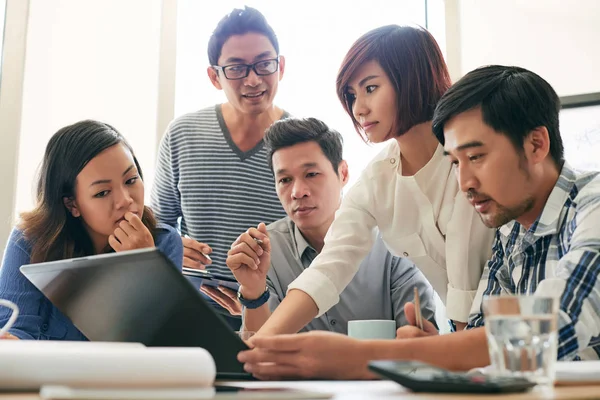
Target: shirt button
(405, 254)
(44, 327)
(392, 161)
(333, 322)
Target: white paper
(67, 393)
(578, 371)
(26, 365)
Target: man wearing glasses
(210, 160)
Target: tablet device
(138, 296)
(211, 279)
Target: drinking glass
(522, 336)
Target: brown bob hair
(413, 62)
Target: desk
(384, 390)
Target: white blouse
(424, 217)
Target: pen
(418, 316)
(205, 255)
(260, 242)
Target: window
(2, 19)
(314, 36)
(580, 131)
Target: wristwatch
(252, 304)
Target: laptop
(138, 296)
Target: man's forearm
(254, 319)
(295, 311)
(458, 351)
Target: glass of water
(522, 336)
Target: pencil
(205, 255)
(418, 315)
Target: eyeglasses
(240, 71)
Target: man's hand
(195, 254)
(224, 297)
(411, 331)
(249, 260)
(131, 234)
(315, 354)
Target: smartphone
(204, 277)
(421, 377)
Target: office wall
(557, 39)
(95, 59)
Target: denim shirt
(38, 318)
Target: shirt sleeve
(165, 198)
(347, 243)
(405, 276)
(17, 289)
(468, 247)
(576, 277)
(488, 284)
(169, 243)
(274, 299)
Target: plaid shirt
(560, 253)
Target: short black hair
(513, 101)
(239, 22)
(292, 131)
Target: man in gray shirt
(306, 158)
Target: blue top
(38, 318)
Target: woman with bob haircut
(389, 83)
(90, 200)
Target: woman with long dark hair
(90, 200)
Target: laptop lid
(137, 296)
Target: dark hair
(413, 62)
(513, 101)
(291, 131)
(239, 22)
(53, 231)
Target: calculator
(421, 377)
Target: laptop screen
(136, 296)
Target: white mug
(372, 329)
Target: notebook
(577, 372)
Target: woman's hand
(131, 234)
(8, 336)
(411, 331)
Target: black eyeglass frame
(223, 68)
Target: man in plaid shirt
(499, 126)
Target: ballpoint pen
(418, 316)
(205, 255)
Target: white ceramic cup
(372, 329)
